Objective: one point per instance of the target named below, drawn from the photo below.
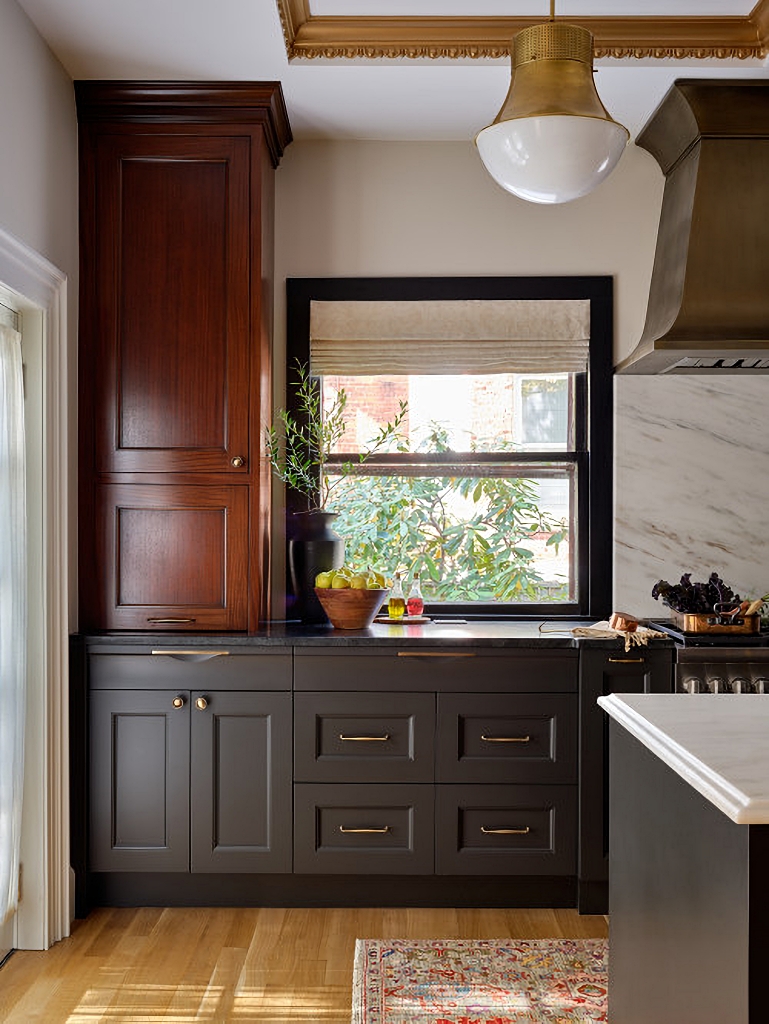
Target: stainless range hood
(708, 306)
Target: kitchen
(689, 489)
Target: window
(490, 492)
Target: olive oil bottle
(396, 605)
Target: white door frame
(45, 910)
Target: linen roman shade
(479, 336)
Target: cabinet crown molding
(248, 103)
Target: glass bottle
(415, 604)
(396, 604)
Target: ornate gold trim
(311, 37)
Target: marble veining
(691, 484)
(716, 742)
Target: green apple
(323, 579)
(359, 582)
(340, 582)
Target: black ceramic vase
(313, 547)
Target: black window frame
(593, 442)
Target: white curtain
(13, 613)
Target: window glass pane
(463, 412)
(490, 535)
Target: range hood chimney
(708, 306)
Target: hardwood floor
(274, 966)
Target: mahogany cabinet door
(169, 337)
(170, 556)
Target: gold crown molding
(310, 37)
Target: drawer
(506, 830)
(447, 669)
(358, 829)
(516, 738)
(189, 669)
(364, 737)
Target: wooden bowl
(351, 609)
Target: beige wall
(376, 208)
(38, 174)
(406, 209)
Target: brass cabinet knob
(238, 461)
(178, 702)
(201, 703)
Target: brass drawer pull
(207, 654)
(171, 620)
(364, 739)
(506, 739)
(178, 702)
(505, 831)
(434, 654)
(201, 703)
(626, 661)
(366, 831)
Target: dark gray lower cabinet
(640, 670)
(139, 781)
(185, 781)
(506, 830)
(364, 829)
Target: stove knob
(717, 684)
(762, 685)
(741, 685)
(692, 685)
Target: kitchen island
(689, 849)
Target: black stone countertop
(547, 633)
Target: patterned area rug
(479, 981)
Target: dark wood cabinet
(175, 351)
(640, 670)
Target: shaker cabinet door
(170, 339)
(139, 788)
(170, 556)
(240, 782)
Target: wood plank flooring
(269, 965)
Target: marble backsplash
(691, 484)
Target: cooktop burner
(708, 639)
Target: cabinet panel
(240, 782)
(506, 830)
(507, 738)
(218, 668)
(363, 737)
(174, 556)
(359, 829)
(172, 379)
(139, 805)
(602, 672)
(461, 669)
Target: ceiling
(438, 70)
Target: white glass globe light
(553, 140)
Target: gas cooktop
(708, 639)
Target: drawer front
(516, 738)
(207, 668)
(359, 829)
(449, 670)
(506, 830)
(363, 737)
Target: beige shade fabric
(449, 336)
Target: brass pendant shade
(553, 140)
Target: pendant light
(553, 140)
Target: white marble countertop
(718, 743)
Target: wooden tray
(407, 620)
